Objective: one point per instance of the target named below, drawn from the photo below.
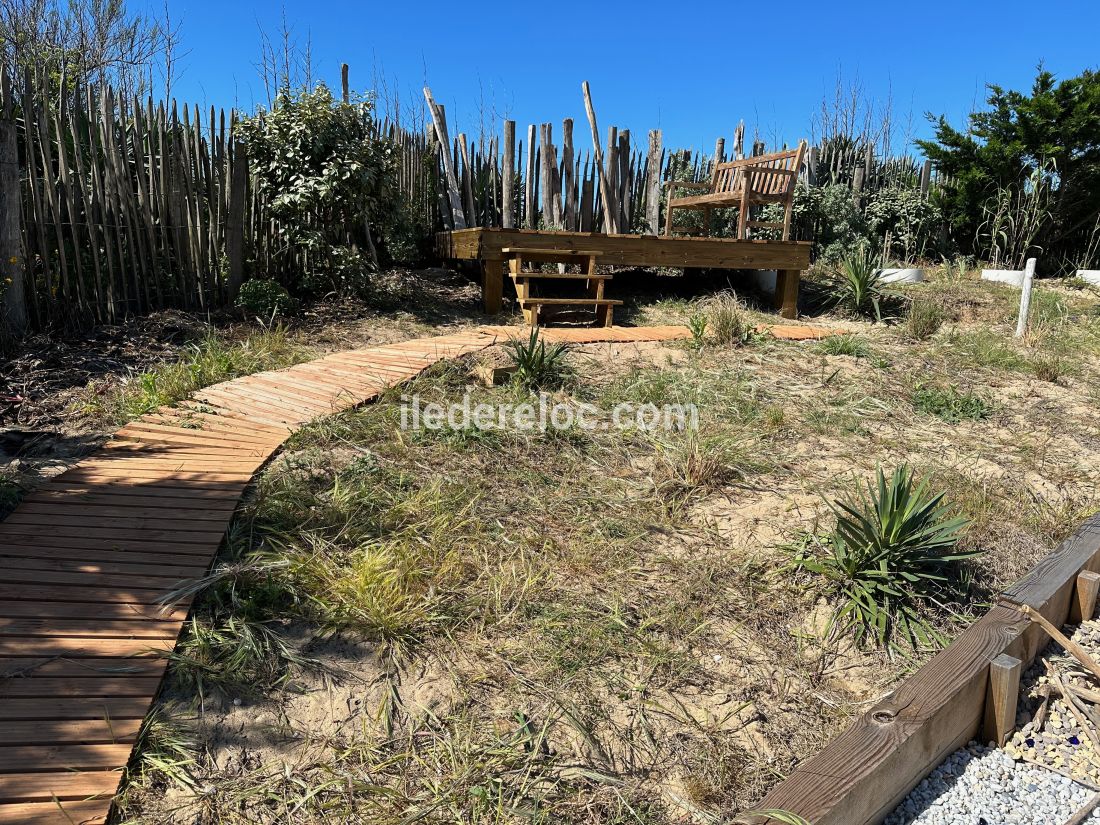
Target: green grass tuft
(925, 319)
(209, 361)
(851, 345)
(950, 404)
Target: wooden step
(562, 302)
(558, 276)
(530, 251)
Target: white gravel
(985, 786)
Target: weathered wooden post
(508, 173)
(467, 180)
(1085, 591)
(453, 193)
(653, 183)
(568, 184)
(1025, 298)
(610, 224)
(546, 175)
(234, 219)
(13, 301)
(345, 90)
(530, 207)
(1002, 690)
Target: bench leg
(668, 220)
(786, 292)
(743, 216)
(492, 285)
(787, 220)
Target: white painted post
(1025, 298)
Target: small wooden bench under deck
(531, 305)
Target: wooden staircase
(533, 305)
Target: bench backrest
(729, 176)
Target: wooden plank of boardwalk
(87, 559)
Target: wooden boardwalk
(87, 557)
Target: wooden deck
(787, 258)
(87, 558)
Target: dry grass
(593, 626)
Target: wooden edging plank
(134, 558)
(20, 668)
(57, 687)
(67, 508)
(34, 561)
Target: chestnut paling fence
(113, 207)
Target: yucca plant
(537, 365)
(893, 552)
(857, 286)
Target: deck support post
(1000, 699)
(1083, 605)
(786, 292)
(492, 284)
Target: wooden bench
(743, 184)
(531, 305)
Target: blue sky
(693, 70)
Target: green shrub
(851, 345)
(910, 221)
(950, 404)
(329, 184)
(925, 319)
(536, 365)
(857, 287)
(697, 323)
(892, 553)
(829, 216)
(263, 298)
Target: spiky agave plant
(894, 550)
(857, 286)
(537, 365)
